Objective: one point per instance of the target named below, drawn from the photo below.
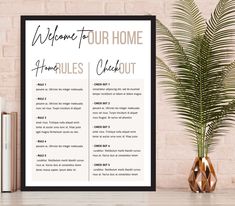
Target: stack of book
(8, 147)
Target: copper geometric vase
(202, 177)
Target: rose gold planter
(202, 177)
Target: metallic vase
(202, 177)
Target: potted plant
(198, 75)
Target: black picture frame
(24, 187)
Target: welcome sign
(88, 102)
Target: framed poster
(88, 103)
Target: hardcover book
(9, 151)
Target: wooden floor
(161, 197)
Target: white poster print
(88, 102)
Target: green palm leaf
(199, 77)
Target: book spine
(6, 153)
(14, 151)
(2, 107)
(1, 151)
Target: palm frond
(217, 41)
(228, 78)
(171, 47)
(177, 94)
(188, 22)
(219, 125)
